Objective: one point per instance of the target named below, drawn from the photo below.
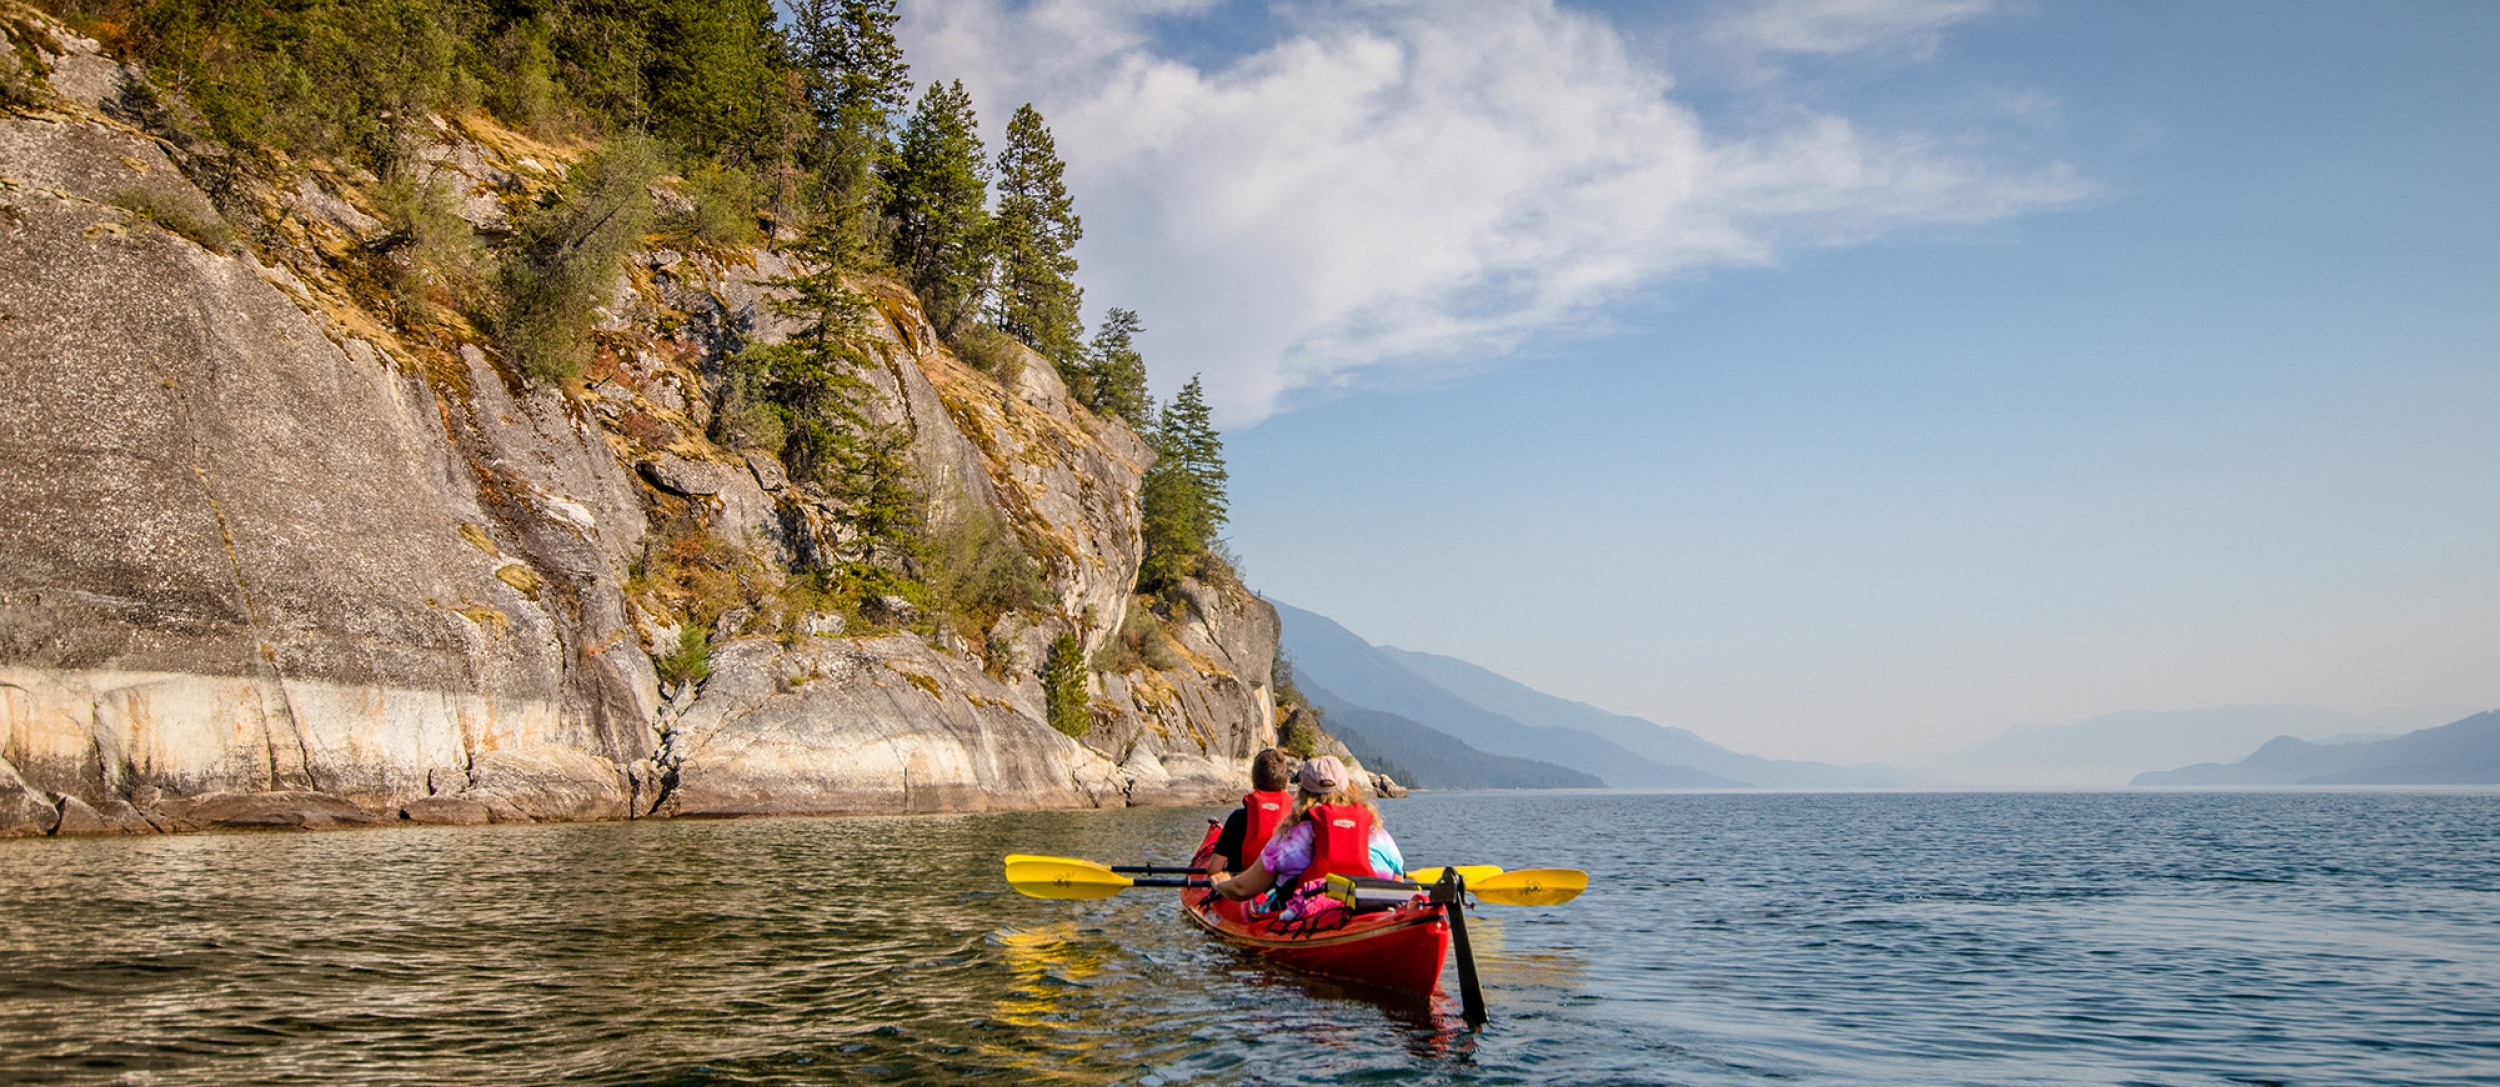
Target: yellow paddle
(1072, 877)
(1530, 887)
(1058, 878)
(1020, 858)
(1526, 887)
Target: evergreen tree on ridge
(1119, 371)
(938, 186)
(1036, 230)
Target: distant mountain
(1438, 761)
(1648, 739)
(2105, 751)
(2464, 752)
(1357, 675)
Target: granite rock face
(244, 556)
(1181, 732)
(24, 813)
(270, 565)
(870, 725)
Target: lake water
(2319, 938)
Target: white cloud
(1407, 184)
(1826, 27)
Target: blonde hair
(1304, 800)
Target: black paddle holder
(1451, 895)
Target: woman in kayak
(1333, 830)
(1248, 828)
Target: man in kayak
(1333, 830)
(1248, 828)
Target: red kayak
(1398, 949)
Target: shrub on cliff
(1299, 735)
(567, 255)
(1063, 687)
(22, 70)
(691, 662)
(978, 570)
(747, 417)
(719, 212)
(429, 247)
(992, 352)
(1142, 643)
(179, 211)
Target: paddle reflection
(1530, 967)
(1050, 963)
(1054, 969)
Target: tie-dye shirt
(1289, 852)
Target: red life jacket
(1261, 812)
(1341, 842)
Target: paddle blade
(1472, 873)
(1052, 879)
(1014, 859)
(1531, 887)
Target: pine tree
(856, 84)
(1118, 371)
(813, 380)
(1037, 229)
(1185, 434)
(1183, 497)
(710, 69)
(937, 184)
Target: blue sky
(1842, 379)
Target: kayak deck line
(1333, 937)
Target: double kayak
(1390, 934)
(1399, 948)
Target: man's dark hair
(1271, 771)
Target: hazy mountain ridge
(2465, 752)
(1435, 760)
(2110, 750)
(1472, 709)
(1489, 714)
(1649, 739)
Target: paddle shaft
(1451, 893)
(1123, 869)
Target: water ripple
(2335, 938)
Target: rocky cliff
(273, 558)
